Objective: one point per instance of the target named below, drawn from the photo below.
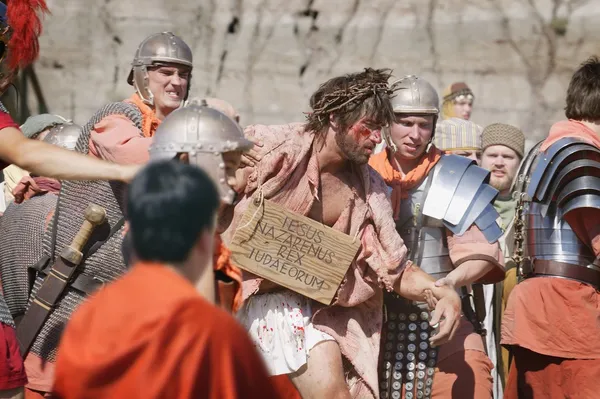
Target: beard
(350, 148)
(501, 183)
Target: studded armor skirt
(407, 361)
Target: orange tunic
(151, 335)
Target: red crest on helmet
(26, 25)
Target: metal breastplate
(427, 244)
(106, 263)
(550, 184)
(550, 238)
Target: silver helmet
(157, 49)
(413, 96)
(65, 135)
(204, 134)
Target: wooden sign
(292, 250)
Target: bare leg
(323, 375)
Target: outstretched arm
(50, 161)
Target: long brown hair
(347, 99)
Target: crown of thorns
(355, 92)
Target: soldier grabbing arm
(442, 210)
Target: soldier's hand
(446, 317)
(430, 299)
(254, 155)
(448, 281)
(456, 278)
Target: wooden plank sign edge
(292, 250)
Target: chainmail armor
(5, 314)
(106, 263)
(22, 228)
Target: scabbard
(43, 302)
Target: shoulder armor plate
(460, 196)
(566, 177)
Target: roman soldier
(121, 133)
(205, 137)
(21, 230)
(443, 211)
(551, 318)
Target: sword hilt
(95, 215)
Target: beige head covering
(506, 135)
(457, 134)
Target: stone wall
(267, 56)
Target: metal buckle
(101, 281)
(42, 303)
(593, 267)
(526, 269)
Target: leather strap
(83, 283)
(416, 254)
(541, 267)
(469, 312)
(42, 303)
(479, 301)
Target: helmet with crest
(20, 27)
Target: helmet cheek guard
(159, 48)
